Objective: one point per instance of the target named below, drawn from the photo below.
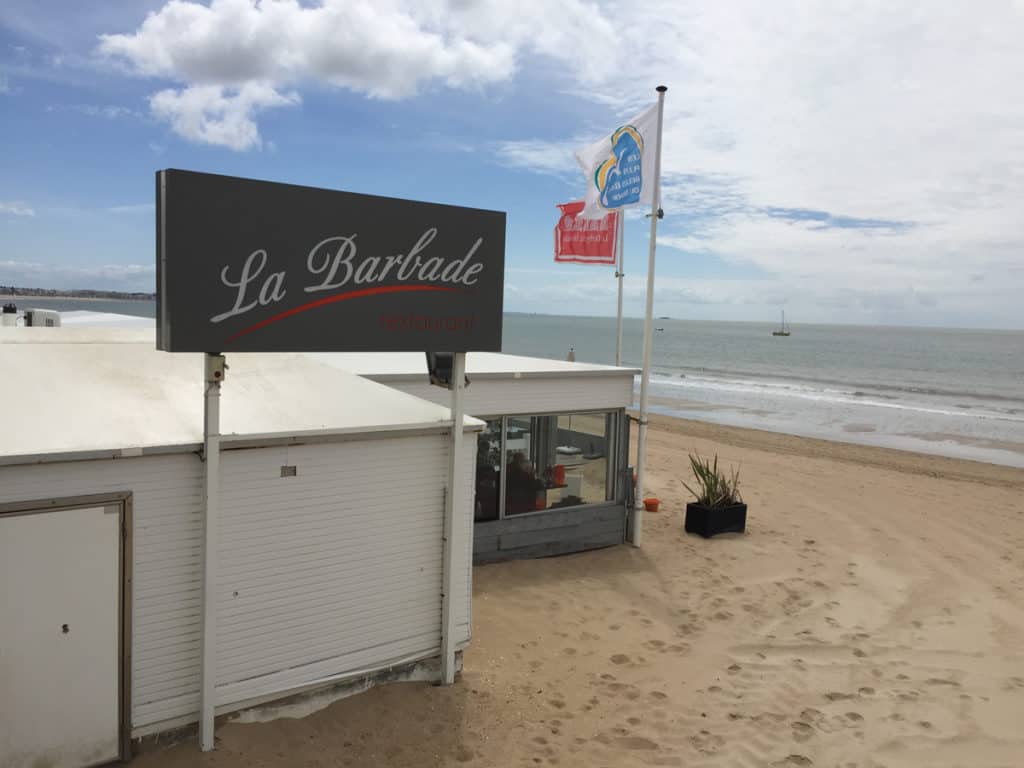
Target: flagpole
(641, 444)
(619, 274)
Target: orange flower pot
(651, 505)
(558, 474)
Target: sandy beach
(872, 615)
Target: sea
(945, 391)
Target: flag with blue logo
(619, 168)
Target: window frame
(615, 419)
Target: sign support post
(452, 520)
(213, 375)
(641, 443)
(619, 274)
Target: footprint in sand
(802, 731)
(637, 742)
(792, 760)
(707, 742)
(811, 714)
(836, 696)
(620, 658)
(1013, 684)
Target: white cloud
(387, 49)
(15, 208)
(107, 111)
(555, 158)
(128, 277)
(215, 114)
(136, 208)
(5, 84)
(897, 111)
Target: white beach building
(329, 564)
(330, 537)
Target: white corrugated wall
(370, 509)
(543, 394)
(332, 571)
(167, 541)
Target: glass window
(556, 461)
(488, 471)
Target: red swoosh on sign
(339, 297)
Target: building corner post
(213, 375)
(453, 522)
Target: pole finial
(661, 88)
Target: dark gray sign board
(256, 266)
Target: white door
(59, 630)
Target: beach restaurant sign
(255, 266)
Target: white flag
(620, 168)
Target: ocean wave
(861, 398)
(855, 388)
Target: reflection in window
(556, 461)
(488, 469)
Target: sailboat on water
(783, 329)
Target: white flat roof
(73, 390)
(381, 366)
(87, 318)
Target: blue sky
(860, 164)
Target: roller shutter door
(332, 571)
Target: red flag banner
(585, 241)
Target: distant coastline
(13, 293)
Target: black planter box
(707, 521)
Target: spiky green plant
(714, 488)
